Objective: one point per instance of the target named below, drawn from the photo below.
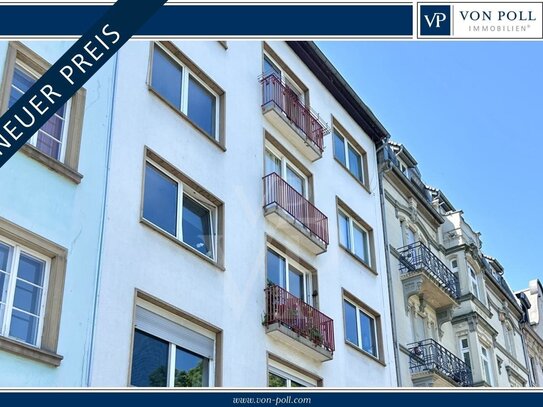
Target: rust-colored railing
(286, 309)
(278, 93)
(278, 191)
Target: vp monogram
(437, 18)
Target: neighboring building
(423, 287)
(51, 209)
(532, 329)
(243, 245)
(455, 318)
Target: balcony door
(275, 162)
(288, 275)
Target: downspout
(526, 357)
(383, 168)
(90, 359)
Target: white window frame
(66, 120)
(186, 74)
(285, 162)
(307, 275)
(351, 223)
(359, 329)
(285, 78)
(485, 359)
(474, 280)
(289, 374)
(453, 268)
(183, 189)
(465, 350)
(347, 164)
(172, 346)
(13, 266)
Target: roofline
(332, 80)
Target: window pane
(48, 145)
(27, 297)
(367, 325)
(344, 236)
(53, 127)
(296, 283)
(339, 148)
(360, 243)
(467, 359)
(295, 181)
(269, 68)
(4, 255)
(4, 281)
(351, 330)
(24, 327)
(275, 266)
(197, 226)
(276, 381)
(166, 77)
(355, 164)
(201, 107)
(31, 269)
(160, 200)
(22, 80)
(149, 361)
(296, 384)
(272, 163)
(191, 370)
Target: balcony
(423, 274)
(298, 325)
(432, 365)
(290, 212)
(297, 122)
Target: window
(57, 143)
(178, 210)
(349, 156)
(23, 278)
(486, 368)
(287, 274)
(168, 353)
(361, 327)
(410, 237)
(464, 351)
(32, 272)
(274, 161)
(509, 338)
(454, 265)
(474, 282)
(271, 67)
(354, 237)
(173, 77)
(172, 204)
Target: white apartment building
(456, 322)
(243, 243)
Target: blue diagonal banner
(71, 72)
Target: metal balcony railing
(430, 356)
(286, 309)
(417, 256)
(278, 191)
(276, 92)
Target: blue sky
(471, 113)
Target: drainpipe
(102, 226)
(385, 167)
(526, 357)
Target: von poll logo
(435, 20)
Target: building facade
(456, 321)
(51, 212)
(247, 249)
(532, 329)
